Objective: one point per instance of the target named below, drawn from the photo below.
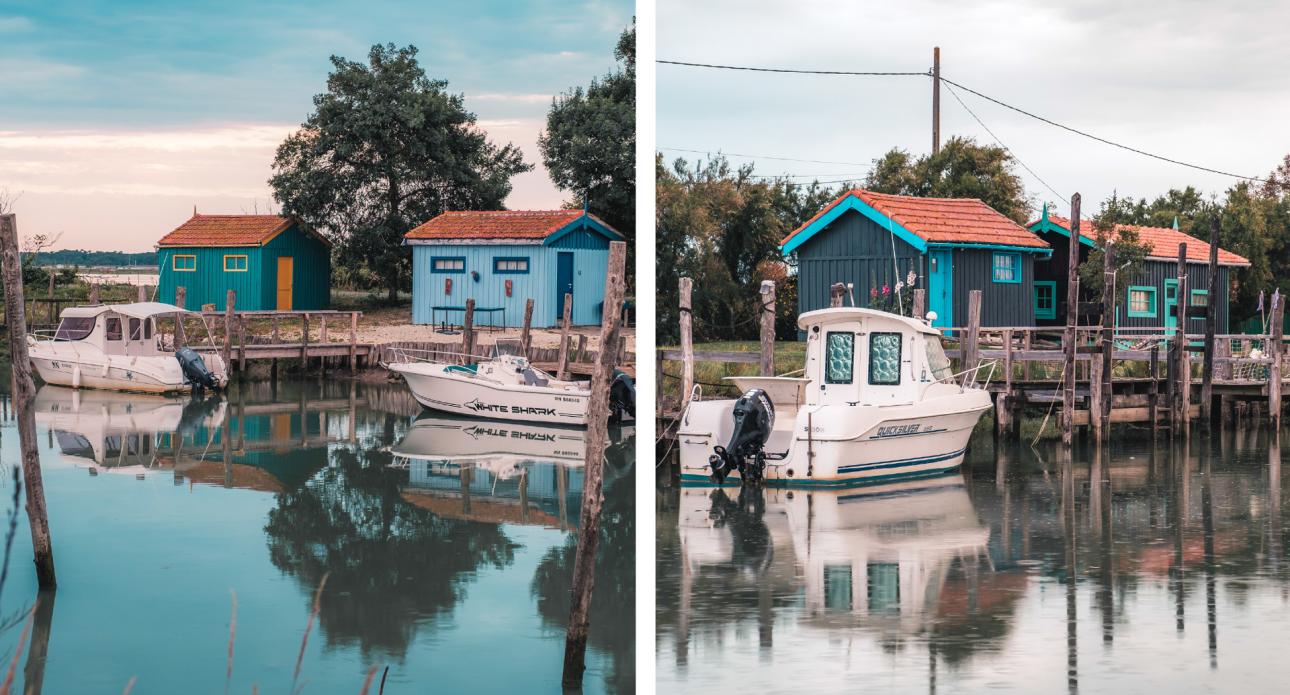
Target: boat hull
(462, 440)
(437, 388)
(60, 372)
(877, 444)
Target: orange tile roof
(1162, 241)
(226, 230)
(498, 224)
(941, 220)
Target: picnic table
(447, 328)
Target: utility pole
(936, 100)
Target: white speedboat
(877, 402)
(118, 347)
(505, 387)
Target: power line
(987, 97)
(1005, 147)
(796, 72)
(765, 156)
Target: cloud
(14, 25)
(521, 98)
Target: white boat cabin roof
(137, 310)
(823, 317)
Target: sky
(1197, 81)
(118, 118)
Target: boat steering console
(754, 418)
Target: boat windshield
(936, 359)
(75, 328)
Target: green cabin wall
(257, 287)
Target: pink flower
(886, 289)
(873, 292)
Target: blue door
(940, 286)
(563, 281)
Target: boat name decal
(897, 430)
(504, 433)
(478, 407)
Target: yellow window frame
(174, 263)
(246, 264)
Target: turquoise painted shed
(502, 258)
(268, 260)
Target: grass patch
(789, 356)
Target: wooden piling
(1072, 318)
(94, 293)
(566, 323)
(1003, 410)
(229, 307)
(525, 336)
(580, 353)
(767, 316)
(920, 304)
(1207, 373)
(181, 294)
(687, 343)
(142, 293)
(353, 342)
(1103, 429)
(23, 396)
(836, 292)
(468, 335)
(972, 334)
(1182, 370)
(584, 565)
(1153, 395)
(1274, 369)
(304, 340)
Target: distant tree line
(721, 225)
(81, 257)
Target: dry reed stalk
(130, 686)
(232, 637)
(22, 642)
(304, 642)
(371, 673)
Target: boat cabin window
(839, 355)
(75, 328)
(140, 329)
(884, 359)
(837, 587)
(884, 587)
(936, 359)
(112, 329)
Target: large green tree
(386, 149)
(962, 169)
(589, 146)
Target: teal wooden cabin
(269, 261)
(502, 258)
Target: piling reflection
(981, 575)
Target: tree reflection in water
(392, 565)
(613, 603)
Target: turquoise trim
(587, 221)
(1051, 311)
(511, 259)
(1046, 225)
(843, 206)
(1151, 293)
(1014, 268)
(1045, 253)
(446, 271)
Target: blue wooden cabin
(266, 259)
(949, 246)
(502, 258)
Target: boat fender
(754, 417)
(76, 376)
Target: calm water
(1126, 571)
(447, 546)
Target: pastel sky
(117, 118)
(1189, 79)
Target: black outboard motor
(195, 369)
(754, 419)
(622, 396)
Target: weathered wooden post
(230, 304)
(566, 323)
(142, 294)
(1072, 318)
(1153, 395)
(468, 334)
(304, 341)
(972, 334)
(584, 564)
(181, 294)
(685, 288)
(1004, 423)
(920, 304)
(94, 293)
(1207, 412)
(23, 395)
(836, 292)
(353, 342)
(1274, 369)
(1182, 372)
(767, 312)
(528, 326)
(1103, 431)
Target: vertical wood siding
(256, 288)
(1002, 303)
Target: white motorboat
(118, 347)
(877, 402)
(505, 387)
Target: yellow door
(284, 283)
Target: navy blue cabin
(502, 258)
(948, 246)
(1152, 295)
